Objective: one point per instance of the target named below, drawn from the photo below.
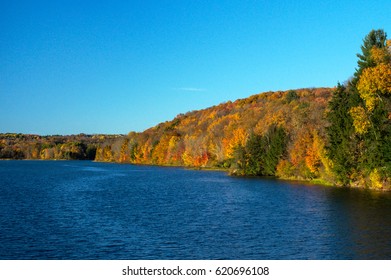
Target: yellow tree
(124, 153)
(238, 137)
(316, 158)
(374, 83)
(173, 151)
(159, 154)
(360, 118)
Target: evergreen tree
(274, 143)
(374, 87)
(261, 154)
(342, 147)
(360, 127)
(254, 151)
(375, 38)
(239, 166)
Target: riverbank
(317, 181)
(228, 171)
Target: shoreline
(313, 182)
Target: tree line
(30, 146)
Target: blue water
(88, 210)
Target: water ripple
(87, 210)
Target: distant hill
(31, 146)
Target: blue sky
(117, 66)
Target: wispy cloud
(190, 89)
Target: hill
(339, 136)
(221, 136)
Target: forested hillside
(339, 136)
(286, 130)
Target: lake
(89, 210)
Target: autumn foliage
(288, 125)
